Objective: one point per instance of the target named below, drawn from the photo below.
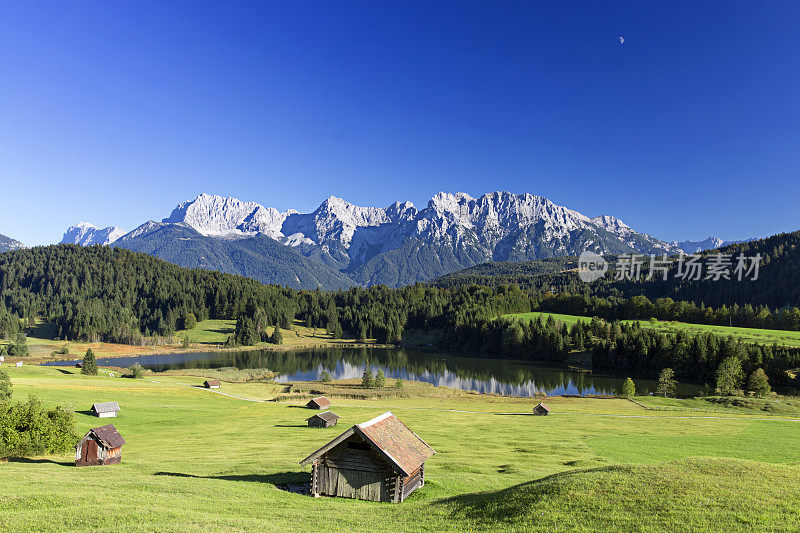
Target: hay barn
(100, 446)
(212, 384)
(106, 409)
(323, 420)
(380, 460)
(541, 409)
(320, 402)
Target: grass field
(198, 460)
(761, 336)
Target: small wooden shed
(323, 420)
(212, 384)
(380, 460)
(320, 402)
(106, 409)
(100, 446)
(78, 365)
(541, 409)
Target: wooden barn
(541, 409)
(212, 384)
(100, 446)
(323, 420)
(380, 460)
(320, 402)
(78, 365)
(106, 409)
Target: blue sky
(115, 113)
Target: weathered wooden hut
(78, 365)
(320, 402)
(106, 409)
(100, 446)
(323, 420)
(212, 384)
(380, 460)
(541, 409)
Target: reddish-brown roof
(212, 383)
(108, 435)
(321, 401)
(328, 416)
(542, 405)
(400, 445)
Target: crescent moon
(621, 40)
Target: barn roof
(328, 416)
(107, 435)
(542, 405)
(211, 382)
(390, 438)
(321, 401)
(106, 407)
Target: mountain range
(8, 244)
(341, 244)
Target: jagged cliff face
(7, 244)
(87, 234)
(495, 226)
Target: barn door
(89, 451)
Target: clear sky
(114, 112)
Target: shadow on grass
(291, 425)
(64, 371)
(516, 502)
(297, 482)
(27, 460)
(87, 412)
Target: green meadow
(198, 460)
(761, 336)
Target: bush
(135, 371)
(398, 384)
(27, 429)
(89, 364)
(325, 377)
(380, 379)
(5, 386)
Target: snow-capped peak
(86, 234)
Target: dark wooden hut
(100, 446)
(323, 420)
(320, 402)
(78, 365)
(105, 409)
(541, 409)
(380, 460)
(212, 384)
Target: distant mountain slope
(258, 257)
(8, 244)
(86, 234)
(522, 273)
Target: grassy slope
(199, 460)
(206, 335)
(762, 336)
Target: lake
(485, 375)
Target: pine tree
(89, 364)
(628, 389)
(277, 336)
(398, 384)
(729, 375)
(20, 346)
(666, 383)
(380, 379)
(758, 383)
(5, 386)
(366, 378)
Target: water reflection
(467, 373)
